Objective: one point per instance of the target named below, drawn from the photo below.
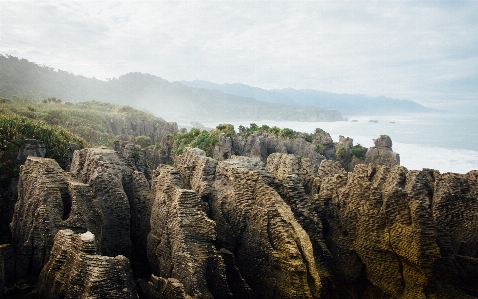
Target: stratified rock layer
(382, 153)
(269, 254)
(101, 194)
(180, 244)
(49, 200)
(240, 228)
(75, 270)
(388, 222)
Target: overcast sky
(425, 51)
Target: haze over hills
(171, 100)
(308, 98)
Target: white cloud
(403, 49)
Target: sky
(425, 51)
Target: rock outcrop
(49, 200)
(385, 222)
(76, 270)
(261, 145)
(31, 147)
(101, 194)
(132, 126)
(240, 228)
(267, 252)
(122, 195)
(180, 244)
(382, 153)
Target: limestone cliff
(242, 228)
(262, 145)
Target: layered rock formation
(101, 194)
(239, 228)
(262, 145)
(76, 270)
(382, 153)
(31, 147)
(49, 200)
(132, 126)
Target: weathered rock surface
(123, 198)
(133, 126)
(68, 156)
(101, 194)
(76, 270)
(270, 254)
(135, 155)
(49, 200)
(263, 144)
(385, 222)
(240, 228)
(31, 147)
(180, 244)
(382, 153)
(326, 144)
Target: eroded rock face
(240, 228)
(386, 222)
(267, 252)
(132, 126)
(101, 194)
(49, 200)
(109, 175)
(382, 153)
(76, 270)
(31, 147)
(180, 244)
(263, 144)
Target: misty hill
(171, 100)
(308, 98)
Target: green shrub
(227, 129)
(358, 151)
(14, 129)
(340, 154)
(143, 141)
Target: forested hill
(171, 100)
(308, 98)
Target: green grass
(15, 128)
(58, 124)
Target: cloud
(419, 50)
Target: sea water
(446, 142)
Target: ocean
(445, 142)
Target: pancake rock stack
(242, 228)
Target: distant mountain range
(308, 98)
(173, 101)
(190, 101)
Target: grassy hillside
(172, 101)
(58, 124)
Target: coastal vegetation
(58, 124)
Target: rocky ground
(260, 223)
